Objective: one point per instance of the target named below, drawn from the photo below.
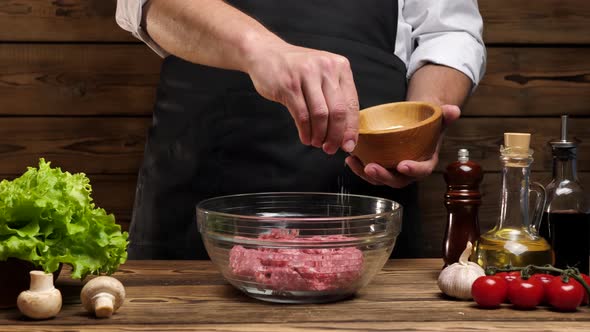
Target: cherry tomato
(565, 296)
(509, 276)
(489, 291)
(545, 279)
(587, 280)
(525, 294)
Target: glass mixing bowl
(299, 247)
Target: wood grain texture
(536, 21)
(61, 79)
(533, 82)
(115, 193)
(466, 326)
(60, 20)
(41, 79)
(378, 143)
(192, 295)
(505, 21)
(89, 145)
(115, 145)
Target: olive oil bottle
(515, 239)
(510, 246)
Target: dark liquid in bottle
(462, 200)
(568, 232)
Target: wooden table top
(192, 296)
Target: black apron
(212, 134)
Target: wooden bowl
(390, 133)
(15, 278)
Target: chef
(263, 95)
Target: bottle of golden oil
(515, 239)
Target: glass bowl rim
(397, 207)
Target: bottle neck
(564, 165)
(515, 193)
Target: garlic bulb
(456, 280)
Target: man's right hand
(317, 88)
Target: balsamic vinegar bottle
(566, 221)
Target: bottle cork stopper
(520, 141)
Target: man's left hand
(407, 171)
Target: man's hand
(317, 88)
(407, 171)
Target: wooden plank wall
(77, 90)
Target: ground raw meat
(298, 269)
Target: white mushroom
(42, 300)
(102, 296)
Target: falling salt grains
(343, 201)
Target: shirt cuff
(458, 50)
(142, 35)
(128, 17)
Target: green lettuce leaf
(47, 217)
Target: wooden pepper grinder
(462, 201)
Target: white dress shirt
(444, 32)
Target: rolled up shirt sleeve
(446, 32)
(128, 17)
